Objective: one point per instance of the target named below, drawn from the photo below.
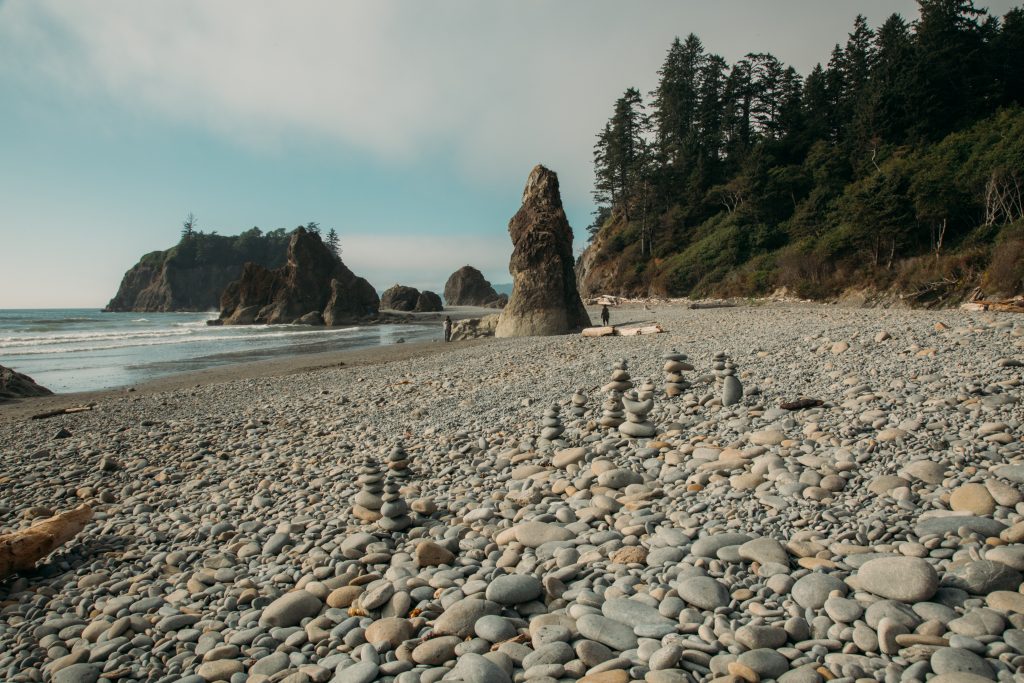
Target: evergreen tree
(333, 243)
(313, 227)
(621, 155)
(188, 227)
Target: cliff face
(192, 275)
(312, 285)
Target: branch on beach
(20, 550)
(61, 411)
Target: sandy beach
(462, 512)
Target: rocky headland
(544, 298)
(313, 287)
(192, 275)
(816, 494)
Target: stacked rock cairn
(366, 504)
(579, 404)
(395, 510)
(638, 404)
(612, 415)
(725, 377)
(675, 365)
(551, 425)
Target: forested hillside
(897, 166)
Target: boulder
(429, 302)
(544, 298)
(468, 287)
(400, 298)
(474, 328)
(16, 385)
(313, 279)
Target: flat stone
(436, 651)
(78, 673)
(907, 579)
(474, 667)
(459, 618)
(633, 613)
(973, 498)
(1006, 601)
(614, 634)
(220, 670)
(536, 534)
(568, 456)
(290, 609)
(703, 592)
(514, 589)
(948, 660)
(811, 590)
(981, 577)
(768, 437)
(764, 551)
(985, 526)
(430, 554)
(756, 637)
(361, 672)
(767, 663)
(391, 630)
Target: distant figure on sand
(605, 315)
(447, 328)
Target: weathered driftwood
(634, 331)
(61, 411)
(801, 404)
(20, 550)
(712, 304)
(612, 331)
(1004, 306)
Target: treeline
(198, 247)
(900, 161)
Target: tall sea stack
(544, 298)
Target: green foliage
(908, 145)
(198, 248)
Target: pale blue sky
(409, 126)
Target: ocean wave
(139, 340)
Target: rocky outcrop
(474, 328)
(192, 275)
(402, 298)
(544, 298)
(313, 280)
(467, 286)
(16, 385)
(429, 302)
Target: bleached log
(20, 550)
(711, 304)
(634, 331)
(598, 331)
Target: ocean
(70, 350)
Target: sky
(408, 126)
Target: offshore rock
(313, 279)
(16, 385)
(544, 298)
(467, 286)
(402, 298)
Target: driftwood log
(699, 305)
(20, 550)
(1004, 306)
(802, 404)
(612, 331)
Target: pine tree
(313, 227)
(188, 227)
(620, 156)
(333, 243)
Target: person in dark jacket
(605, 315)
(447, 328)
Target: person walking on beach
(447, 328)
(605, 315)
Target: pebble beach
(470, 511)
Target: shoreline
(25, 408)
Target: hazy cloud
(498, 86)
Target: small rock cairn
(395, 510)
(579, 404)
(637, 409)
(366, 504)
(675, 365)
(725, 377)
(551, 425)
(612, 415)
